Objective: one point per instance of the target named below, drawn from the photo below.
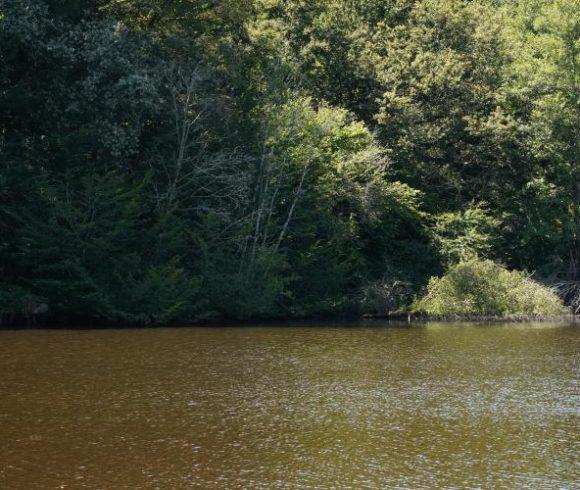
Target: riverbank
(390, 318)
(422, 318)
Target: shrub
(483, 288)
(382, 297)
(17, 303)
(569, 291)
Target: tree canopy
(187, 160)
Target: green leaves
(483, 289)
(465, 235)
(184, 159)
(87, 250)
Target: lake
(362, 405)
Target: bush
(483, 288)
(17, 303)
(569, 291)
(383, 297)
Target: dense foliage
(484, 289)
(185, 160)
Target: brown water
(436, 406)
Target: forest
(167, 161)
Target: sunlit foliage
(182, 160)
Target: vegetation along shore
(180, 161)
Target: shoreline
(421, 318)
(401, 319)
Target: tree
(544, 87)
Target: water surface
(429, 406)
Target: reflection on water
(431, 406)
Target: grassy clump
(482, 288)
